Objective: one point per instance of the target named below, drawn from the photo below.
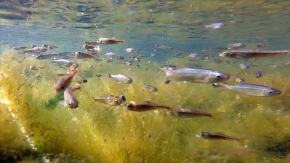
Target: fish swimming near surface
(219, 136)
(121, 78)
(109, 41)
(198, 75)
(143, 106)
(215, 25)
(64, 82)
(63, 62)
(252, 53)
(81, 55)
(69, 98)
(236, 45)
(111, 100)
(35, 50)
(250, 89)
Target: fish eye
(270, 92)
(130, 106)
(218, 76)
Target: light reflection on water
(180, 25)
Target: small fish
(121, 78)
(163, 47)
(111, 100)
(285, 62)
(258, 73)
(35, 50)
(49, 46)
(198, 75)
(64, 82)
(91, 43)
(129, 50)
(238, 79)
(79, 79)
(74, 66)
(20, 48)
(252, 53)
(64, 62)
(81, 55)
(193, 56)
(69, 98)
(150, 88)
(215, 25)
(89, 47)
(189, 113)
(113, 55)
(168, 67)
(109, 41)
(236, 45)
(244, 65)
(128, 63)
(217, 136)
(251, 89)
(46, 56)
(143, 106)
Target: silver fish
(251, 89)
(215, 25)
(113, 55)
(198, 75)
(121, 78)
(236, 45)
(62, 62)
(244, 65)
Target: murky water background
(99, 133)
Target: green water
(35, 128)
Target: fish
(143, 106)
(252, 53)
(35, 50)
(218, 136)
(193, 56)
(121, 78)
(74, 66)
(236, 45)
(163, 47)
(69, 98)
(64, 82)
(168, 67)
(215, 25)
(111, 100)
(251, 89)
(79, 79)
(64, 62)
(109, 41)
(46, 56)
(129, 50)
(81, 55)
(20, 48)
(244, 65)
(258, 73)
(89, 47)
(238, 79)
(49, 46)
(150, 88)
(189, 113)
(197, 75)
(113, 55)
(91, 43)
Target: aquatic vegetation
(95, 131)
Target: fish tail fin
(218, 116)
(242, 141)
(120, 40)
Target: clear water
(99, 133)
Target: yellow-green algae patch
(99, 133)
